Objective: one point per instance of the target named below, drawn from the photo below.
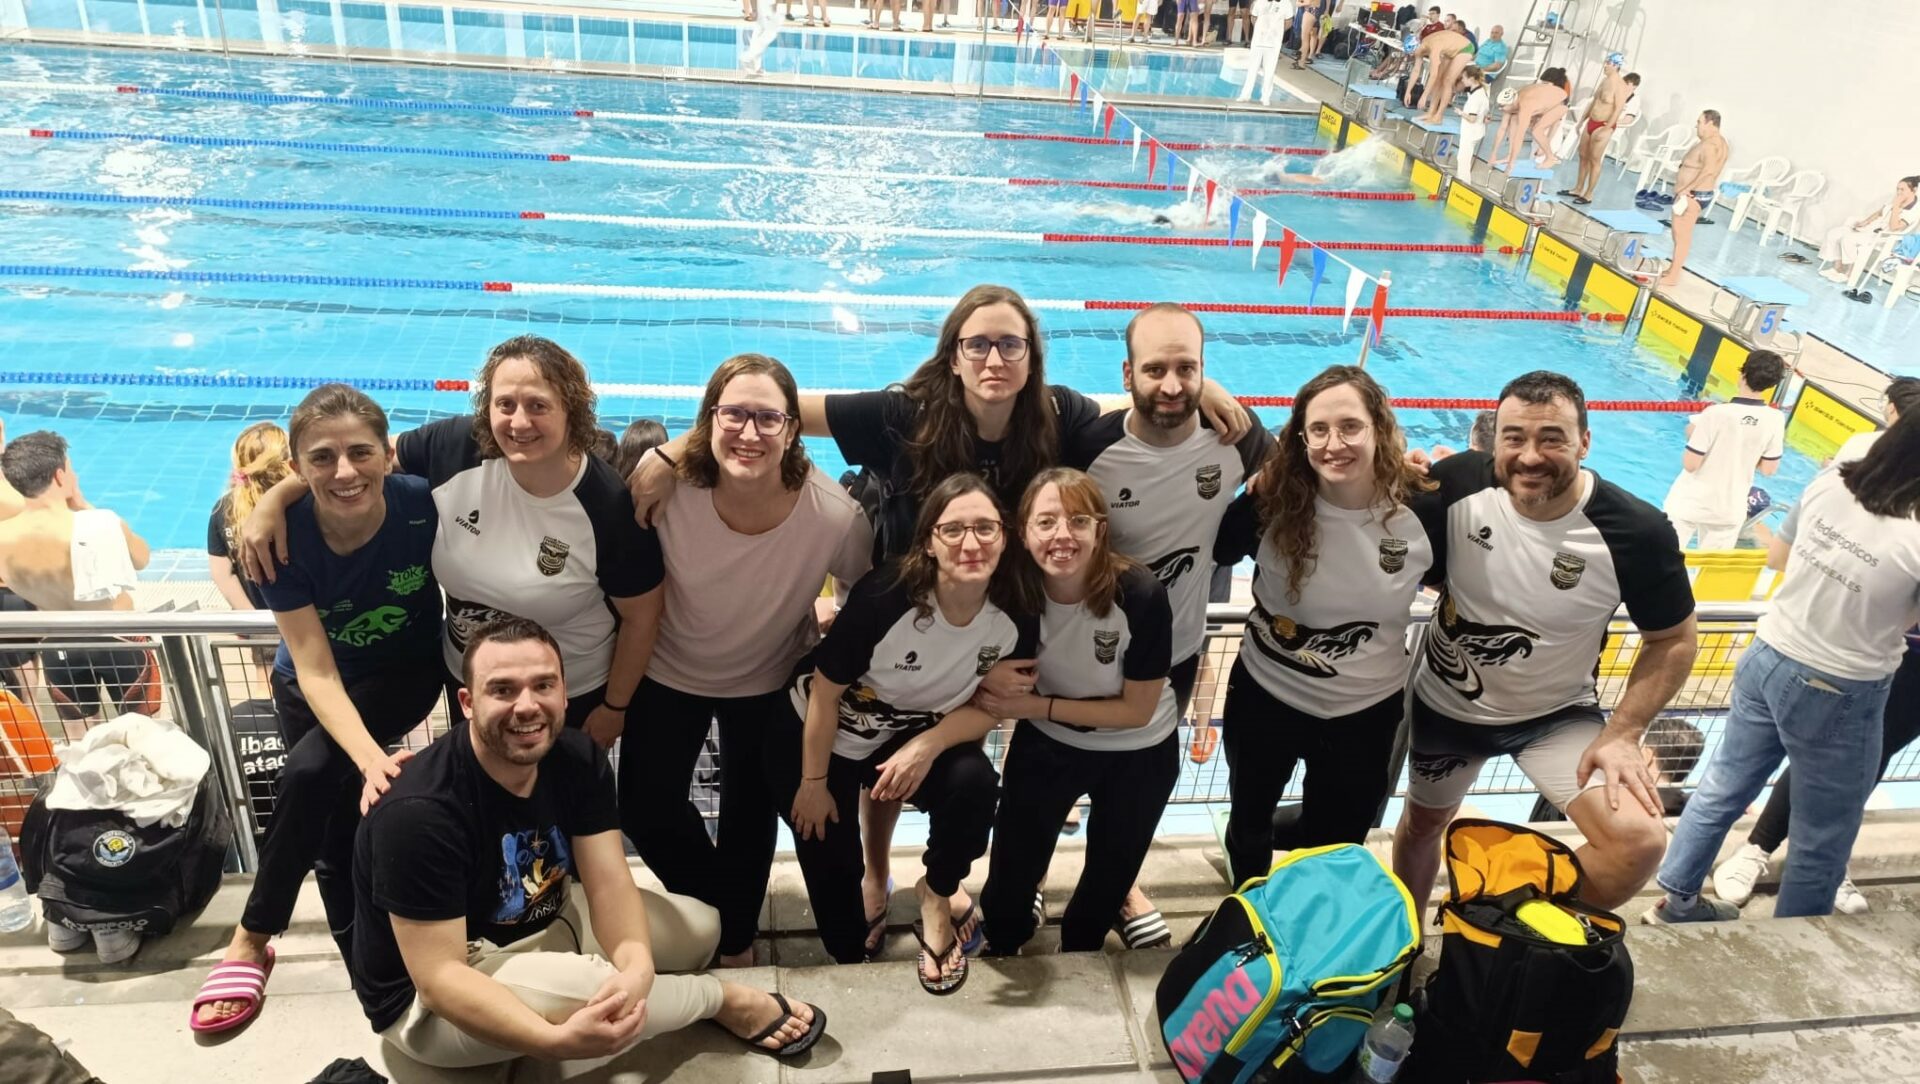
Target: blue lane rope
(397, 105)
(208, 202)
(296, 145)
(189, 380)
(18, 270)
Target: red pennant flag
(1207, 215)
(1379, 316)
(1288, 242)
(1153, 156)
(1073, 85)
(1107, 131)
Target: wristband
(1049, 709)
(813, 779)
(614, 707)
(662, 453)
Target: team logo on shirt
(1455, 644)
(553, 556)
(1207, 480)
(1566, 570)
(989, 655)
(1305, 650)
(533, 875)
(1106, 645)
(1170, 568)
(1393, 554)
(406, 581)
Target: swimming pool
(357, 240)
(613, 40)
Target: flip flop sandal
(236, 980)
(979, 936)
(946, 984)
(1039, 910)
(795, 1048)
(1143, 931)
(877, 929)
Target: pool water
(138, 372)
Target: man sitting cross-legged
(471, 947)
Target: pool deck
(1759, 1000)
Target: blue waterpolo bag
(1283, 979)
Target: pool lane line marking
(535, 112)
(665, 165)
(699, 294)
(27, 195)
(695, 391)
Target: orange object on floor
(28, 749)
(1205, 740)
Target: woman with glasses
(886, 703)
(1343, 531)
(1099, 721)
(748, 542)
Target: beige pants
(559, 969)
(1708, 536)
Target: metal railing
(208, 672)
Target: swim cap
(1508, 95)
(1618, 60)
(1758, 501)
(1410, 42)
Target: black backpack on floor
(1508, 1003)
(94, 869)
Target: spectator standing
(1726, 443)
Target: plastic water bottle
(1386, 1044)
(16, 908)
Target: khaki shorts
(1445, 754)
(559, 969)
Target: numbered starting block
(1371, 101)
(1437, 142)
(1524, 188)
(1760, 307)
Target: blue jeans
(1831, 735)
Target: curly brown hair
(1285, 490)
(919, 572)
(562, 372)
(698, 466)
(942, 444)
(1079, 495)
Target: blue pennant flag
(1319, 272)
(1233, 220)
(1085, 92)
(1170, 159)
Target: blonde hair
(259, 462)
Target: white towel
(102, 567)
(148, 769)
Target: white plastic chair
(1785, 208)
(1649, 146)
(1900, 277)
(1758, 179)
(1663, 168)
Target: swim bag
(1282, 980)
(1509, 1000)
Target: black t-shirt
(220, 544)
(872, 429)
(447, 842)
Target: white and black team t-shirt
(1343, 646)
(904, 672)
(1086, 657)
(1164, 505)
(553, 560)
(1524, 609)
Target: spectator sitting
(1491, 57)
(1850, 242)
(560, 973)
(1673, 747)
(259, 461)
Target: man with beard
(1167, 481)
(472, 946)
(1539, 553)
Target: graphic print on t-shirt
(534, 865)
(1309, 651)
(1454, 645)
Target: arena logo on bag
(553, 556)
(1207, 480)
(1106, 645)
(114, 848)
(989, 655)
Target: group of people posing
(1018, 553)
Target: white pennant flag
(1356, 280)
(1259, 235)
(1193, 180)
(1099, 105)
(1136, 141)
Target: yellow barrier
(1821, 423)
(1553, 257)
(1612, 290)
(1507, 227)
(1329, 121)
(1720, 648)
(1464, 200)
(1356, 134)
(1671, 326)
(1726, 575)
(1425, 178)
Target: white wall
(1831, 88)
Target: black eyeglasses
(768, 423)
(1011, 347)
(953, 531)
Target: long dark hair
(557, 367)
(1079, 495)
(1886, 481)
(942, 444)
(699, 467)
(1285, 490)
(919, 572)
